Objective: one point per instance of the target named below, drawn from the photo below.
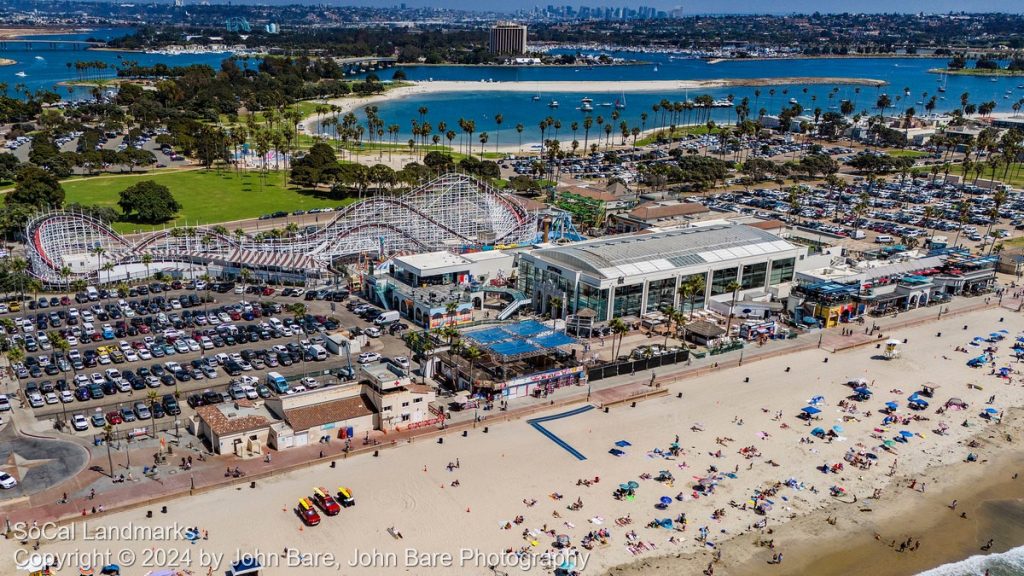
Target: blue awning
(810, 410)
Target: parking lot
(189, 345)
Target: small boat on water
(553, 104)
(40, 58)
(586, 107)
(620, 104)
(655, 67)
(20, 74)
(586, 100)
(793, 101)
(536, 97)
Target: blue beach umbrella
(810, 410)
(906, 433)
(665, 500)
(892, 405)
(991, 411)
(817, 431)
(837, 428)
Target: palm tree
(519, 130)
(619, 329)
(298, 310)
(152, 396)
(670, 316)
(498, 119)
(733, 287)
(472, 353)
(450, 309)
(147, 259)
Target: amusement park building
(632, 275)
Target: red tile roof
(653, 210)
(316, 415)
(217, 418)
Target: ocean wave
(1009, 563)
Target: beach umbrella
(817, 400)
(871, 456)
(906, 433)
(810, 410)
(837, 428)
(863, 390)
(567, 565)
(623, 486)
(889, 443)
(666, 500)
(633, 485)
(1003, 331)
(817, 431)
(665, 523)
(893, 342)
(991, 411)
(892, 405)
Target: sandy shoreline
(986, 491)
(10, 33)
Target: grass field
(1014, 177)
(679, 132)
(206, 196)
(906, 153)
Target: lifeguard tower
(892, 348)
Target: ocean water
(50, 60)
(1009, 563)
(910, 84)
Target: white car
(51, 398)
(367, 357)
(97, 378)
(250, 392)
(7, 481)
(5, 403)
(372, 332)
(66, 396)
(78, 422)
(145, 354)
(35, 400)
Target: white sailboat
(620, 104)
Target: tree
(36, 187)
(148, 202)
(733, 287)
(472, 353)
(619, 329)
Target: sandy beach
(8, 33)
(515, 490)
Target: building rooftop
(592, 193)
(232, 418)
(316, 415)
(666, 250)
(430, 260)
(656, 210)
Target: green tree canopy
(148, 202)
(36, 187)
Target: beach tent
(810, 410)
(247, 565)
(955, 403)
(892, 405)
(991, 411)
(816, 400)
(818, 432)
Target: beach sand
(410, 488)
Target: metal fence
(631, 366)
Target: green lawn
(1015, 176)
(906, 153)
(206, 196)
(678, 133)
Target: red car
(325, 501)
(268, 291)
(307, 512)
(114, 418)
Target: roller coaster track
(451, 211)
